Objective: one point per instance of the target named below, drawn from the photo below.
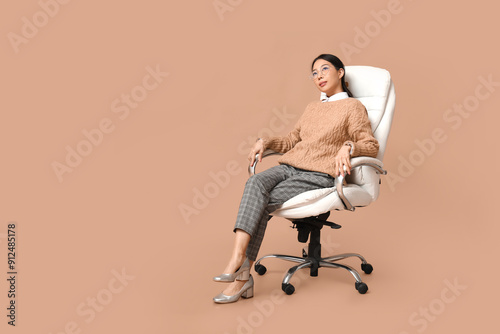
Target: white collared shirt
(334, 97)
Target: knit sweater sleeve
(283, 144)
(360, 131)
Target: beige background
(229, 77)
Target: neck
(335, 91)
(330, 95)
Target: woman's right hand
(258, 147)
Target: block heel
(244, 276)
(248, 293)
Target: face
(327, 79)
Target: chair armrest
(368, 161)
(266, 153)
(356, 162)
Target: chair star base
(311, 227)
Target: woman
(317, 150)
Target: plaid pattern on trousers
(266, 191)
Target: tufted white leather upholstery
(374, 88)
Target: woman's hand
(342, 159)
(258, 147)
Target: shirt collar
(334, 97)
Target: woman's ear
(341, 73)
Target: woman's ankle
(234, 263)
(238, 259)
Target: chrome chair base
(312, 258)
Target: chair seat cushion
(317, 201)
(307, 197)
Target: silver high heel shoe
(241, 274)
(245, 292)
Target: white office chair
(308, 211)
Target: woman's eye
(325, 68)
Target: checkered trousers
(266, 191)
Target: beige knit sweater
(320, 133)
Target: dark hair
(335, 61)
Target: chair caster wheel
(367, 268)
(288, 288)
(260, 269)
(361, 287)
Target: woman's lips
(322, 84)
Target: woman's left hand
(342, 159)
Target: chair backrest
(373, 87)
